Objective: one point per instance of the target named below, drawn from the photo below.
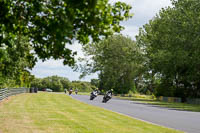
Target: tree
(65, 82)
(37, 82)
(82, 86)
(117, 59)
(15, 60)
(95, 82)
(50, 25)
(171, 44)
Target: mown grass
(84, 93)
(172, 105)
(59, 113)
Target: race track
(180, 120)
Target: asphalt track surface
(181, 120)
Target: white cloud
(143, 10)
(55, 67)
(130, 30)
(130, 2)
(76, 47)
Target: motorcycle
(107, 97)
(70, 92)
(93, 95)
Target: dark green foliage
(55, 83)
(50, 25)
(46, 27)
(95, 82)
(82, 86)
(117, 59)
(171, 46)
(15, 60)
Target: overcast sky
(143, 10)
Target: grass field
(84, 93)
(59, 113)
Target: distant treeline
(58, 84)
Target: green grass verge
(84, 93)
(59, 113)
(177, 106)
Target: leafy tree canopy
(171, 42)
(57, 84)
(117, 59)
(51, 24)
(15, 60)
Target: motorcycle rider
(76, 91)
(70, 91)
(109, 93)
(107, 96)
(94, 94)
